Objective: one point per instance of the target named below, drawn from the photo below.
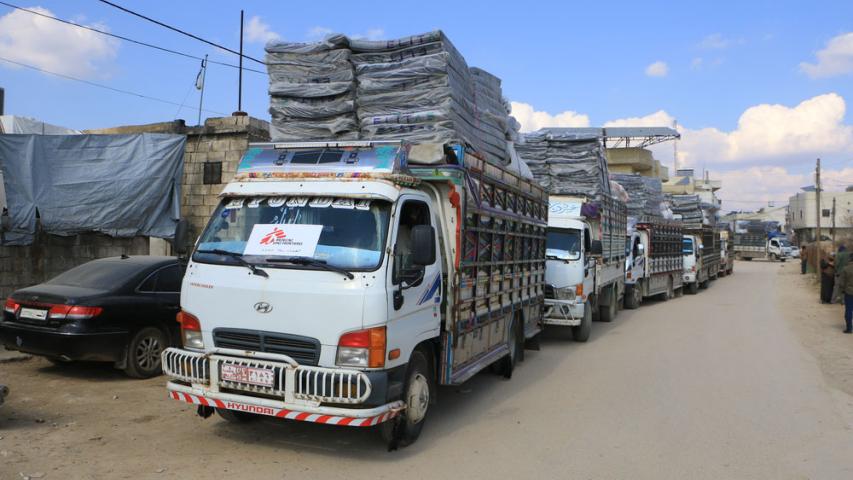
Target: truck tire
(580, 333)
(669, 293)
(418, 392)
(233, 416)
(772, 257)
(516, 349)
(633, 296)
(693, 288)
(143, 353)
(607, 313)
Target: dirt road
(744, 380)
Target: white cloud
(716, 41)
(697, 62)
(52, 45)
(835, 59)
(317, 33)
(754, 160)
(657, 69)
(258, 31)
(532, 120)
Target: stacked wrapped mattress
(417, 88)
(645, 194)
(688, 206)
(565, 163)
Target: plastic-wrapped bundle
(688, 206)
(312, 90)
(569, 164)
(645, 194)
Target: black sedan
(119, 310)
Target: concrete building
(684, 182)
(636, 160)
(802, 216)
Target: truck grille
(305, 350)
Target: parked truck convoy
(585, 271)
(340, 283)
(701, 251)
(654, 264)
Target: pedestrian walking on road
(842, 258)
(827, 278)
(845, 281)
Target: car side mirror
(595, 247)
(179, 241)
(423, 245)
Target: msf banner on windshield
(290, 240)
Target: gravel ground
(749, 379)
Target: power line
(87, 82)
(175, 29)
(121, 37)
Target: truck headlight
(565, 293)
(363, 348)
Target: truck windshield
(785, 243)
(687, 246)
(563, 244)
(352, 233)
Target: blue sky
(590, 58)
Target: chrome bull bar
(293, 382)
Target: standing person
(846, 285)
(842, 258)
(804, 258)
(827, 278)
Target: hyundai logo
(263, 307)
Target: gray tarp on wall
(120, 185)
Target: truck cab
(569, 273)
(692, 253)
(778, 248)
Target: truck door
(414, 298)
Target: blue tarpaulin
(119, 185)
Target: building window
(212, 173)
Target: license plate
(33, 314)
(261, 377)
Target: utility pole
(817, 230)
(675, 150)
(240, 78)
(833, 222)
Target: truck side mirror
(179, 241)
(595, 247)
(5, 223)
(423, 245)
(640, 249)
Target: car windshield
(340, 232)
(99, 275)
(687, 246)
(563, 244)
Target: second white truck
(655, 262)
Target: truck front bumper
(335, 396)
(568, 313)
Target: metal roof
(618, 137)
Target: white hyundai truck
(340, 283)
(655, 262)
(585, 271)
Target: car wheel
(143, 353)
(417, 393)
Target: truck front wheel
(693, 288)
(580, 333)
(403, 430)
(608, 312)
(633, 296)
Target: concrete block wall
(50, 255)
(218, 140)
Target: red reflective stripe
(323, 419)
(346, 421)
(174, 395)
(302, 416)
(203, 401)
(218, 403)
(187, 397)
(281, 413)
